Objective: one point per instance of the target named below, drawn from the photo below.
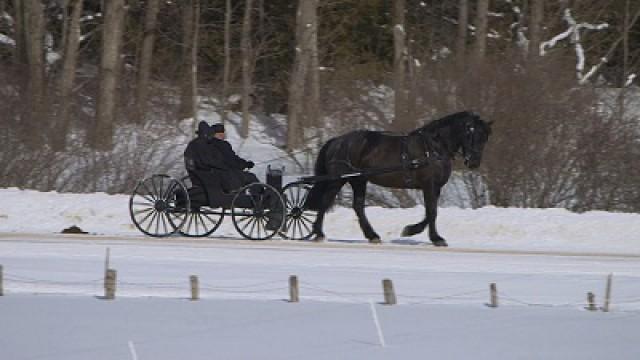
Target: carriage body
(162, 206)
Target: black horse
(420, 160)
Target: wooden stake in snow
(106, 261)
(1, 286)
(591, 302)
(195, 289)
(607, 294)
(293, 289)
(389, 293)
(494, 295)
(110, 284)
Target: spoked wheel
(258, 211)
(202, 221)
(159, 205)
(298, 224)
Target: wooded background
(84, 82)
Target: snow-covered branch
(630, 79)
(574, 34)
(4, 39)
(6, 17)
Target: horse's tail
(315, 197)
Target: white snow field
(543, 261)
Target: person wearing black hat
(210, 152)
(210, 158)
(229, 161)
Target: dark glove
(250, 164)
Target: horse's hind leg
(328, 197)
(359, 189)
(413, 229)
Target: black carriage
(162, 206)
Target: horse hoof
(440, 243)
(319, 238)
(406, 232)
(375, 240)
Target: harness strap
(406, 162)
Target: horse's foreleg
(431, 196)
(327, 200)
(359, 191)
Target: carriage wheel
(299, 222)
(257, 211)
(202, 221)
(159, 205)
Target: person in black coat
(210, 156)
(210, 159)
(229, 161)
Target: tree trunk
(20, 52)
(146, 58)
(189, 94)
(535, 28)
(227, 60)
(461, 39)
(314, 69)
(112, 32)
(481, 31)
(34, 22)
(400, 121)
(67, 79)
(621, 100)
(247, 60)
(303, 59)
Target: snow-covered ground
(27, 211)
(543, 261)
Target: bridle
(467, 150)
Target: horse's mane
(443, 122)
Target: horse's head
(475, 135)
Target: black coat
(216, 164)
(227, 159)
(199, 156)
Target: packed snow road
(441, 293)
(336, 271)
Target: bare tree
(306, 14)
(20, 55)
(313, 115)
(461, 39)
(227, 60)
(112, 32)
(400, 121)
(535, 27)
(71, 38)
(146, 57)
(247, 68)
(34, 22)
(189, 83)
(482, 18)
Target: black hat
(203, 129)
(217, 128)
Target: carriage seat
(207, 186)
